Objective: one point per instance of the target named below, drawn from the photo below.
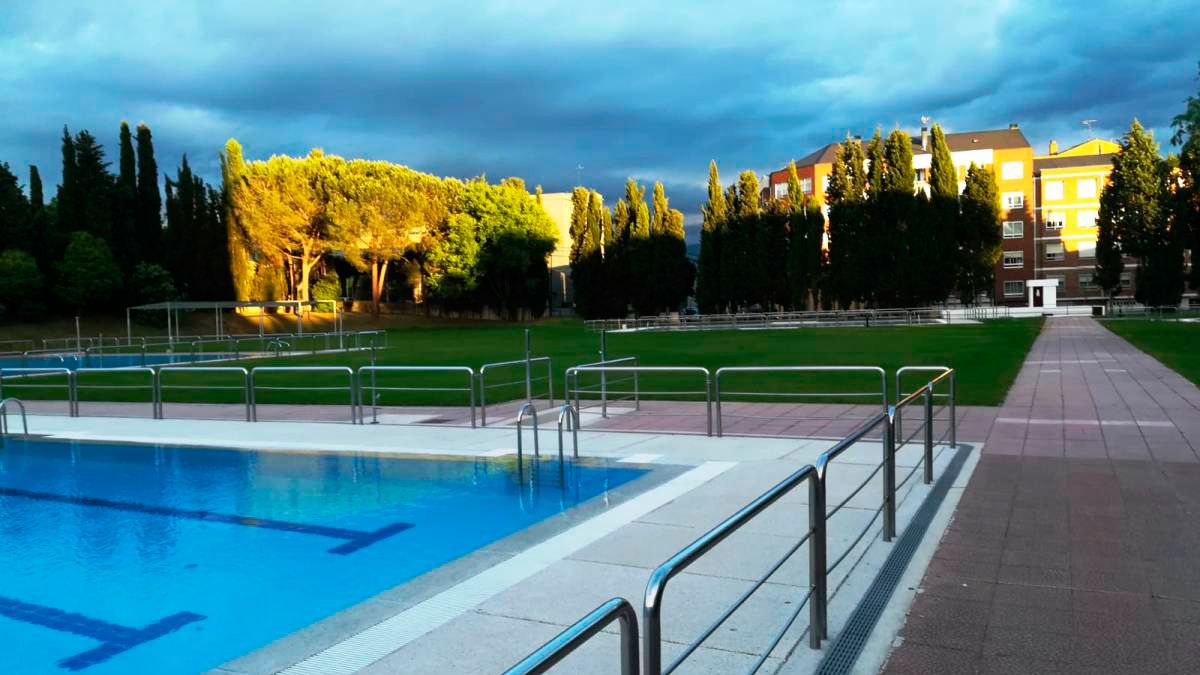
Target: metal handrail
(4, 416)
(483, 385)
(567, 413)
(816, 476)
(158, 385)
(708, 413)
(468, 371)
(558, 648)
(122, 369)
(72, 402)
(952, 395)
(882, 393)
(305, 369)
(527, 408)
(632, 360)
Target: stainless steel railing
(527, 379)
(549, 654)
(374, 388)
(159, 387)
(567, 413)
(601, 388)
(817, 597)
(881, 393)
(527, 408)
(345, 370)
(847, 317)
(951, 396)
(23, 374)
(572, 376)
(84, 373)
(4, 403)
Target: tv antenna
(1088, 124)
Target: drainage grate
(849, 644)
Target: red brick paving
(1075, 546)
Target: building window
(1088, 280)
(1055, 252)
(1087, 218)
(1054, 220)
(1087, 249)
(1014, 259)
(1060, 278)
(1014, 200)
(1014, 288)
(1126, 280)
(1014, 229)
(1012, 170)
(780, 190)
(1052, 189)
(1085, 188)
(806, 186)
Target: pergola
(172, 308)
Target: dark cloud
(623, 89)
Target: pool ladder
(4, 417)
(568, 420)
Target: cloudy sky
(537, 89)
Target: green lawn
(1172, 342)
(987, 356)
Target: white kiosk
(1042, 292)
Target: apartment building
(1005, 151)
(1068, 184)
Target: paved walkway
(1075, 545)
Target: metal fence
(574, 391)
(769, 320)
(549, 654)
(371, 373)
(23, 377)
(601, 388)
(159, 387)
(880, 393)
(344, 370)
(950, 395)
(816, 599)
(81, 376)
(527, 378)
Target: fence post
(816, 559)
(528, 370)
(482, 400)
(470, 388)
(603, 375)
(889, 475)
(928, 434)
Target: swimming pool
(98, 360)
(120, 558)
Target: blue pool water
(148, 559)
(76, 361)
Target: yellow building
(1068, 184)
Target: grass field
(1171, 342)
(987, 356)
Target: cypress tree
(639, 254)
(149, 226)
(981, 233)
(797, 254)
(241, 267)
(941, 269)
(1186, 135)
(845, 197)
(37, 198)
(581, 252)
(709, 294)
(741, 275)
(69, 215)
(125, 239)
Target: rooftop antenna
(1088, 124)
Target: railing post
(250, 392)
(482, 398)
(470, 388)
(816, 560)
(528, 370)
(708, 401)
(953, 410)
(717, 396)
(889, 475)
(928, 433)
(246, 385)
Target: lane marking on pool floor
(374, 643)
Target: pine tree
(709, 295)
(15, 232)
(148, 224)
(94, 185)
(1186, 135)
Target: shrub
(87, 274)
(20, 283)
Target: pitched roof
(996, 139)
(1057, 162)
